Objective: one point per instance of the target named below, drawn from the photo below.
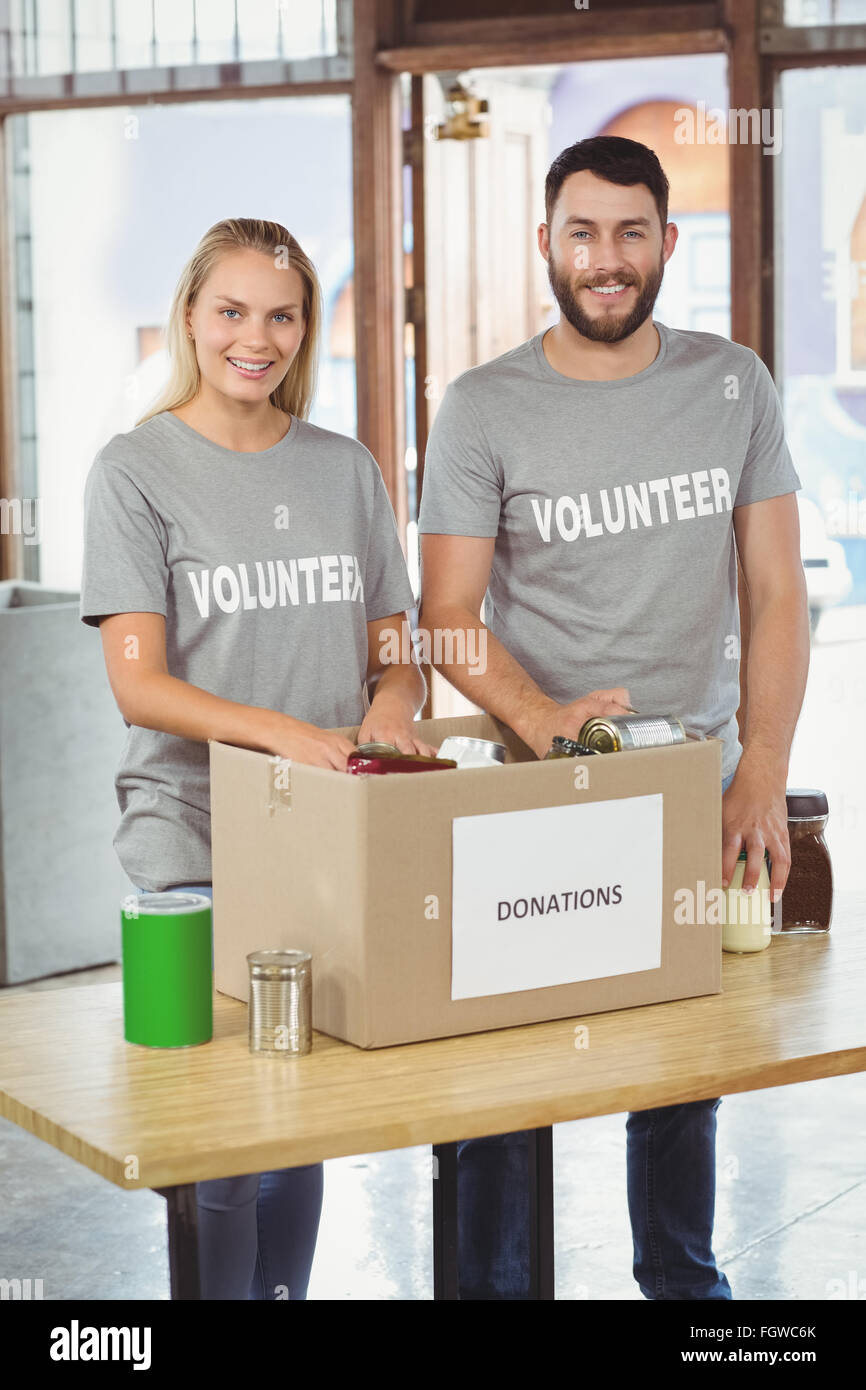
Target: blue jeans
(257, 1233)
(671, 1185)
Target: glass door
(820, 369)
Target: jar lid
(572, 746)
(744, 854)
(806, 803)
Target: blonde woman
(241, 564)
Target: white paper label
(555, 895)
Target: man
(589, 485)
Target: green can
(167, 943)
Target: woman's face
(248, 313)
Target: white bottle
(748, 921)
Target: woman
(241, 565)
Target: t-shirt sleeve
(124, 568)
(461, 493)
(768, 470)
(387, 588)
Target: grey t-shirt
(611, 503)
(267, 567)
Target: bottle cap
(806, 803)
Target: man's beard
(608, 326)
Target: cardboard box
(358, 870)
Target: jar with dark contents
(567, 748)
(807, 898)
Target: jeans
(671, 1187)
(257, 1233)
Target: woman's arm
(400, 688)
(135, 659)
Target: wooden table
(166, 1119)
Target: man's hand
(567, 720)
(755, 818)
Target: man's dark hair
(613, 158)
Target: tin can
(281, 1003)
(472, 752)
(357, 763)
(567, 748)
(379, 750)
(620, 733)
(167, 945)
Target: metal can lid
(377, 750)
(806, 803)
(170, 901)
(279, 963)
(600, 734)
(461, 746)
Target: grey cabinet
(61, 736)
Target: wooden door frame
(377, 155)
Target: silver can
(472, 752)
(281, 1003)
(617, 733)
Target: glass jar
(567, 748)
(748, 919)
(807, 898)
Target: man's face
(605, 234)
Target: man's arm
(456, 570)
(745, 608)
(768, 541)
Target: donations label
(555, 895)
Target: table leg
(445, 1285)
(541, 1264)
(541, 1213)
(182, 1217)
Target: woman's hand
(390, 720)
(307, 743)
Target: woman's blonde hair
(297, 388)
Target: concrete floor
(790, 1209)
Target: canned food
(620, 733)
(472, 752)
(357, 763)
(567, 748)
(281, 1003)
